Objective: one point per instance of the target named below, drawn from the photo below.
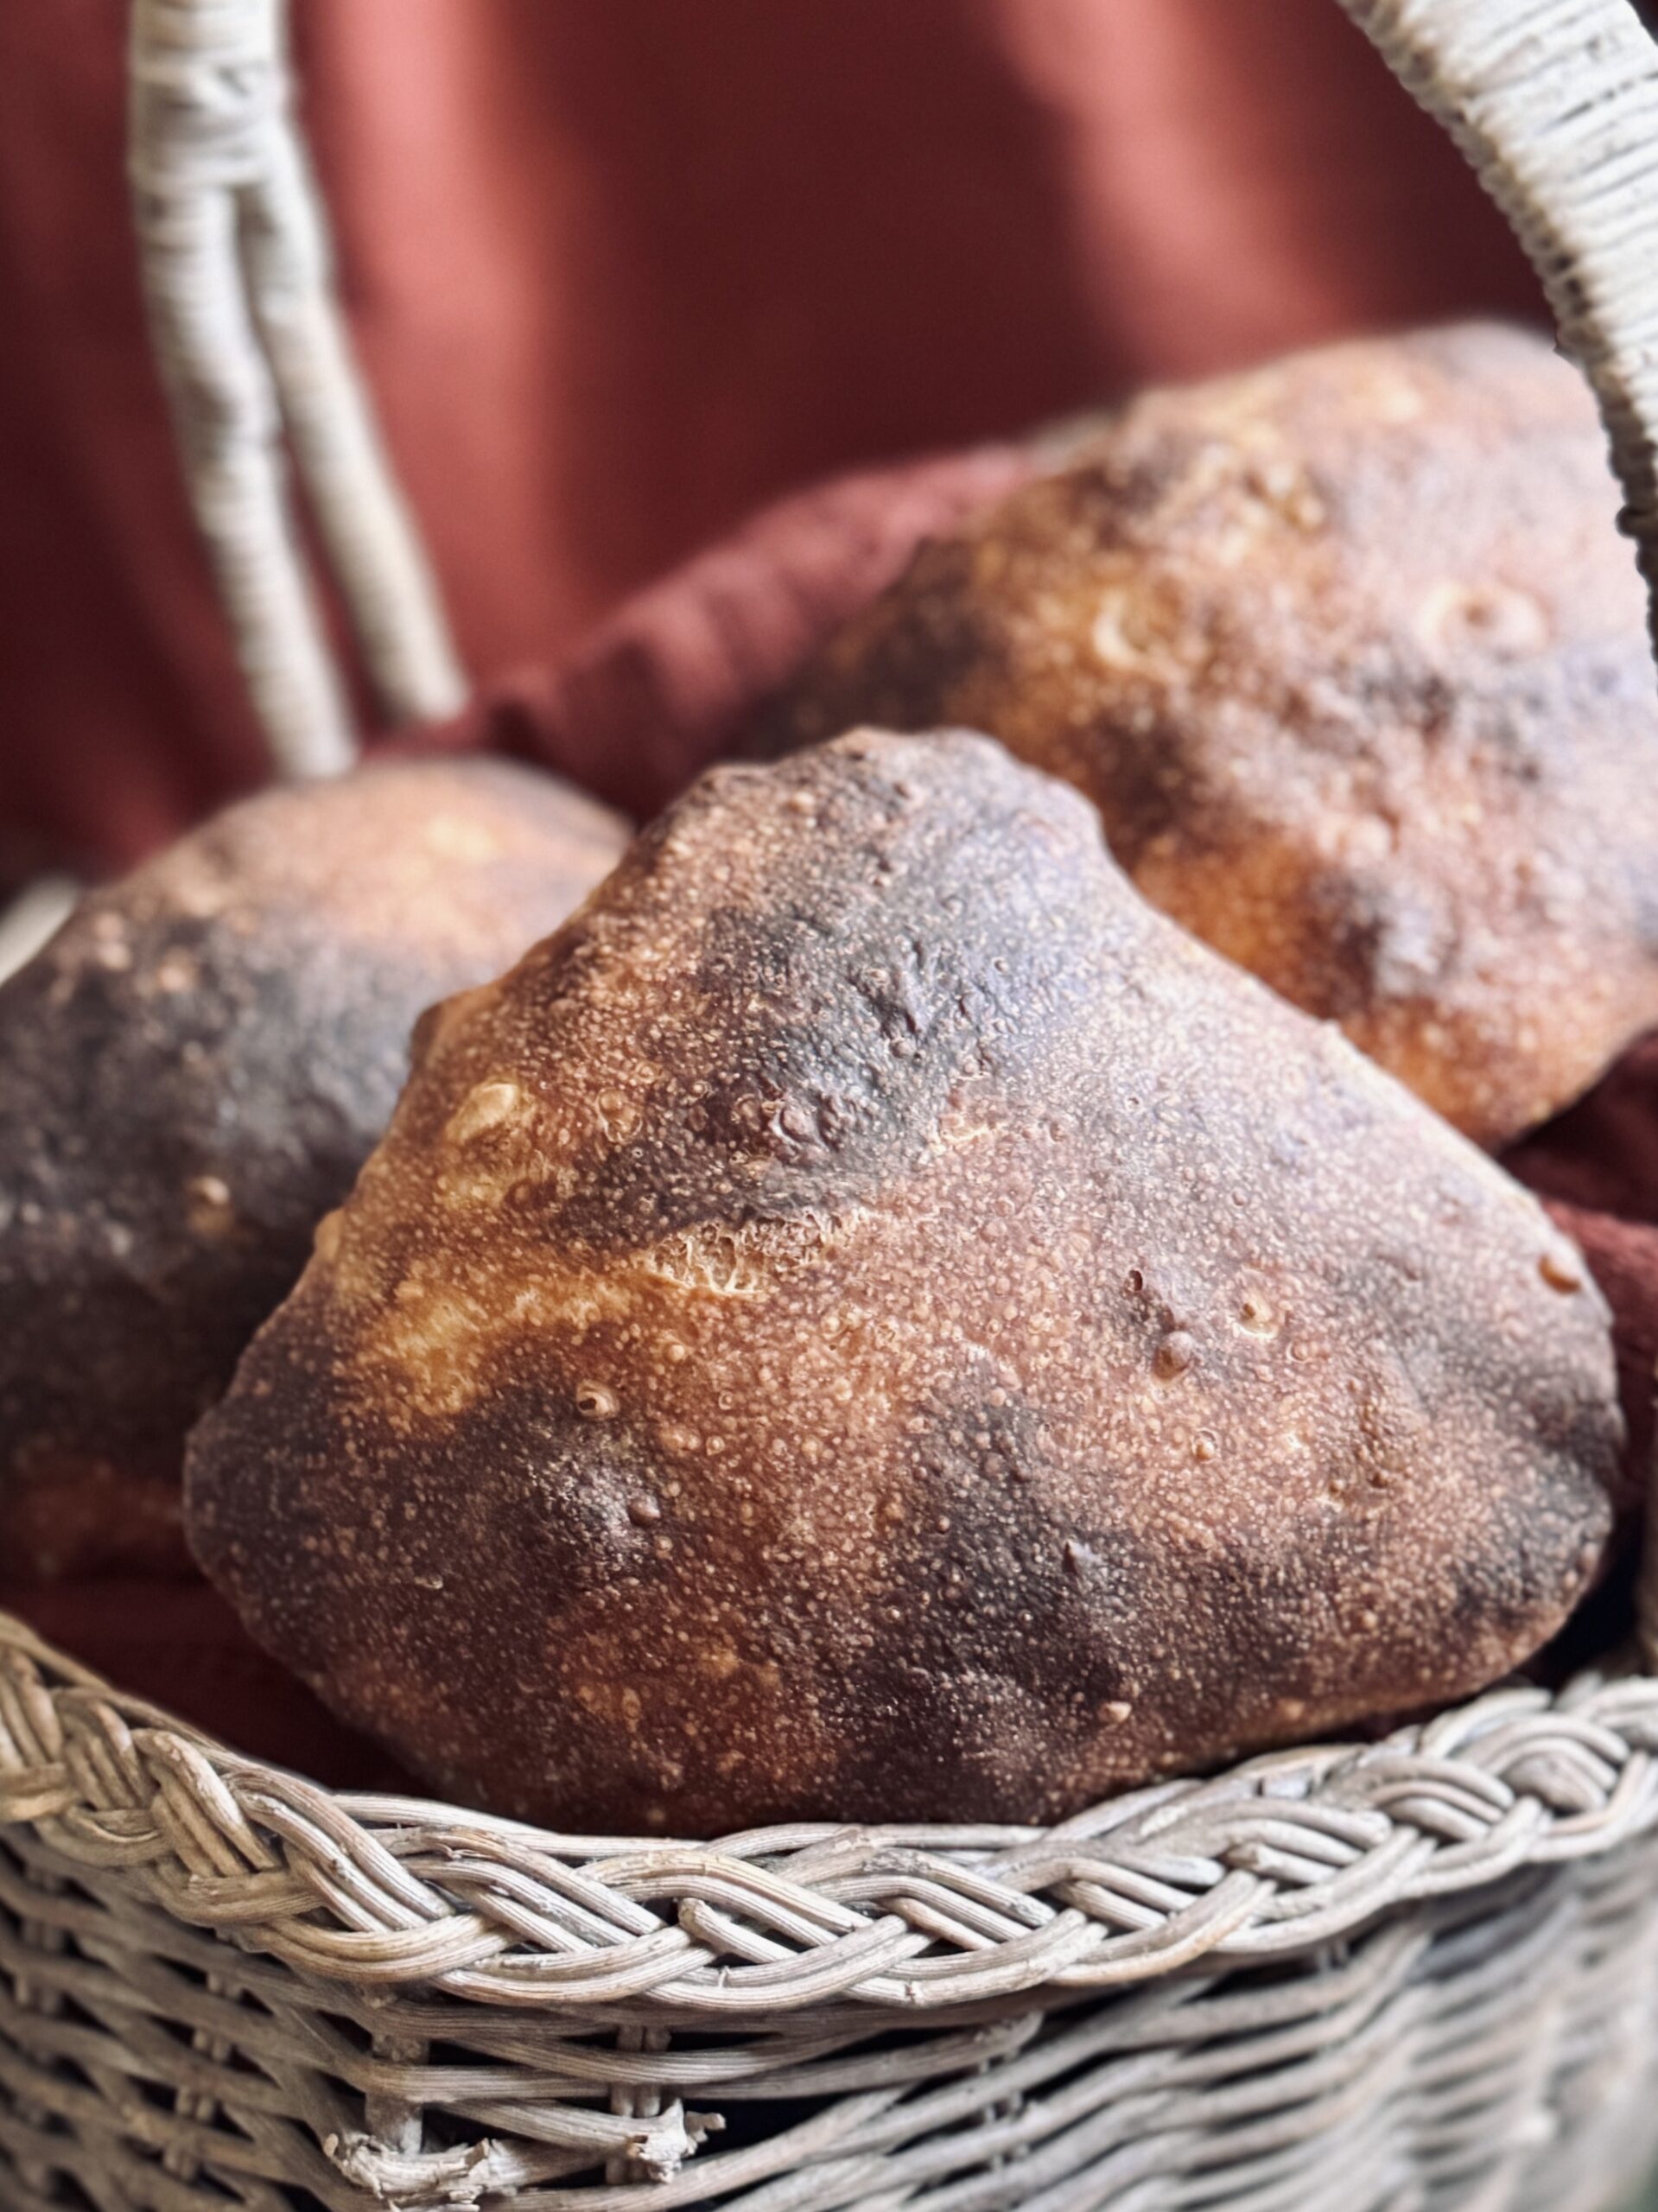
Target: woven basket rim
(1277, 1857)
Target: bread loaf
(871, 1321)
(192, 1072)
(1351, 657)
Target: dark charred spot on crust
(988, 1576)
(827, 1035)
(565, 1508)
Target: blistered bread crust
(1350, 656)
(191, 1074)
(870, 1320)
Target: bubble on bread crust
(619, 1117)
(112, 944)
(487, 1106)
(1559, 1273)
(1173, 1356)
(458, 837)
(1290, 491)
(1257, 1315)
(1498, 619)
(1118, 635)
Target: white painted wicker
(1385, 1978)
(254, 354)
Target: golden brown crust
(870, 1320)
(1352, 659)
(191, 1074)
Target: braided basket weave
(1418, 1974)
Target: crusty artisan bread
(192, 1072)
(870, 1320)
(1349, 654)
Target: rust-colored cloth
(621, 273)
(1596, 1167)
(665, 683)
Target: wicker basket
(1418, 1974)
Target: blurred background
(621, 274)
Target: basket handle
(1555, 103)
(254, 355)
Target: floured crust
(192, 1072)
(1349, 654)
(872, 1321)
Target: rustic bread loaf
(1351, 657)
(870, 1320)
(191, 1074)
